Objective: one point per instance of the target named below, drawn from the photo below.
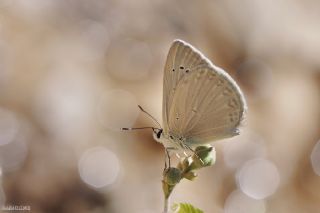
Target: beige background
(72, 73)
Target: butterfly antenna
(137, 128)
(149, 115)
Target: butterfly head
(157, 134)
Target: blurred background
(72, 73)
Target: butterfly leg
(185, 154)
(165, 159)
(178, 156)
(167, 155)
(169, 158)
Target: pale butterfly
(201, 102)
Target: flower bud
(172, 176)
(183, 165)
(204, 156)
(190, 175)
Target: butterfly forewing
(181, 60)
(201, 102)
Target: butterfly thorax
(170, 141)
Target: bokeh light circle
(315, 158)
(239, 150)
(8, 126)
(13, 155)
(95, 37)
(258, 178)
(99, 167)
(238, 202)
(117, 109)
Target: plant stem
(167, 189)
(166, 204)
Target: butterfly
(201, 102)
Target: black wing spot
(171, 137)
(173, 70)
(182, 67)
(187, 71)
(177, 118)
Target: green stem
(166, 204)
(167, 189)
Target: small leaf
(185, 208)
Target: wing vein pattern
(201, 102)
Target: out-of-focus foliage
(186, 208)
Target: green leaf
(185, 208)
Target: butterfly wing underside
(201, 102)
